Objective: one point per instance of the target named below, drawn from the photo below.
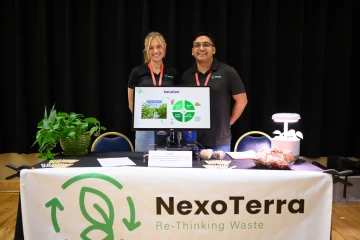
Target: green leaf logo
(108, 216)
(104, 208)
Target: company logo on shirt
(214, 76)
(168, 76)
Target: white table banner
(168, 203)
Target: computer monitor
(171, 108)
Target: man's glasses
(204, 44)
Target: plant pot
(291, 144)
(79, 146)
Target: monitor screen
(171, 107)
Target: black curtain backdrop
(293, 56)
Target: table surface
(90, 160)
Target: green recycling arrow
(131, 225)
(54, 204)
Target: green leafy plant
(289, 134)
(61, 124)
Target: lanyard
(152, 74)
(207, 78)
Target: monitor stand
(171, 142)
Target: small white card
(115, 162)
(170, 159)
(251, 154)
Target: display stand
(172, 142)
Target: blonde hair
(147, 42)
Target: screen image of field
(183, 111)
(154, 109)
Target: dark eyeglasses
(204, 44)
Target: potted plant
(289, 140)
(289, 134)
(73, 131)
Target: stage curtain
(293, 56)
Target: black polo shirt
(224, 82)
(141, 76)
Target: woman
(152, 73)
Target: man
(225, 83)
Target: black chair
(253, 140)
(341, 169)
(112, 142)
(17, 169)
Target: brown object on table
(206, 154)
(219, 154)
(274, 159)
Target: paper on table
(242, 155)
(115, 162)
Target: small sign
(170, 159)
(115, 162)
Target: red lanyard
(152, 74)
(207, 78)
